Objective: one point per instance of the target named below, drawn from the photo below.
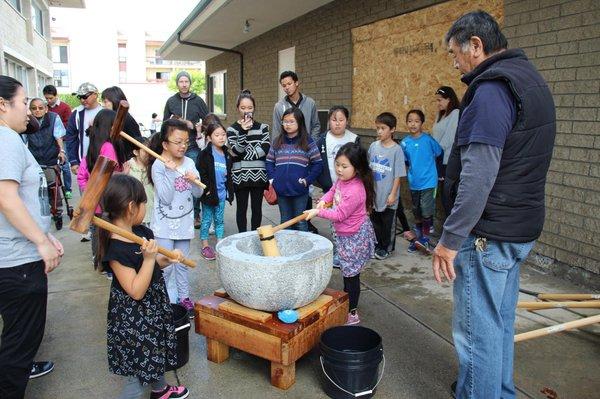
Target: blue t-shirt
(489, 117)
(220, 174)
(420, 154)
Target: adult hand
(74, 169)
(321, 205)
(443, 260)
(49, 254)
(311, 213)
(390, 200)
(62, 157)
(57, 244)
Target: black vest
(42, 144)
(514, 211)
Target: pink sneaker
(352, 319)
(171, 392)
(208, 253)
(187, 303)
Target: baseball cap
(86, 88)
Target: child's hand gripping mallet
(266, 233)
(85, 212)
(117, 132)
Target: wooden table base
(282, 344)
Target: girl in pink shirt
(100, 144)
(352, 198)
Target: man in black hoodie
(192, 109)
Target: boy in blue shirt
(420, 152)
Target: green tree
(70, 99)
(198, 81)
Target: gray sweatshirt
(444, 131)
(309, 110)
(173, 215)
(480, 165)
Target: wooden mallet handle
(154, 154)
(568, 297)
(137, 239)
(119, 122)
(552, 305)
(289, 223)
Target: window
(60, 55)
(16, 4)
(163, 75)
(38, 18)
(216, 92)
(122, 52)
(61, 77)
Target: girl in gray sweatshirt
(173, 213)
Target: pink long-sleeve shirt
(349, 206)
(83, 174)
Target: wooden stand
(282, 344)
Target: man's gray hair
(481, 24)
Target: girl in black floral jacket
(140, 331)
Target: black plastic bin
(350, 360)
(182, 328)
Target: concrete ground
(399, 300)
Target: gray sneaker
(381, 254)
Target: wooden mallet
(117, 131)
(85, 212)
(266, 234)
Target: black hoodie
(192, 108)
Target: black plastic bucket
(182, 327)
(350, 359)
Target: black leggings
(352, 287)
(402, 217)
(241, 197)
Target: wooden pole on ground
(557, 328)
(552, 305)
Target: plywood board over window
(399, 62)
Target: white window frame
(19, 8)
(210, 90)
(34, 7)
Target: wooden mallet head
(83, 215)
(117, 126)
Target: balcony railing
(160, 61)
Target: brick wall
(323, 54)
(562, 38)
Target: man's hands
(74, 169)
(443, 260)
(51, 250)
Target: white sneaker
(86, 237)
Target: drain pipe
(217, 49)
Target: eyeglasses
(288, 123)
(85, 96)
(180, 143)
(40, 108)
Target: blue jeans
(486, 291)
(290, 207)
(66, 169)
(210, 213)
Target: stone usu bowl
(289, 281)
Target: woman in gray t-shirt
(27, 251)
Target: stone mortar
(289, 281)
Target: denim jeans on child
(486, 291)
(213, 213)
(290, 207)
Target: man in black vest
(496, 177)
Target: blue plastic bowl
(288, 316)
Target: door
(287, 62)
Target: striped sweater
(249, 149)
(288, 163)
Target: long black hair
(114, 94)
(158, 138)
(359, 160)
(448, 93)
(99, 134)
(302, 133)
(121, 190)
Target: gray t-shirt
(17, 164)
(387, 164)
